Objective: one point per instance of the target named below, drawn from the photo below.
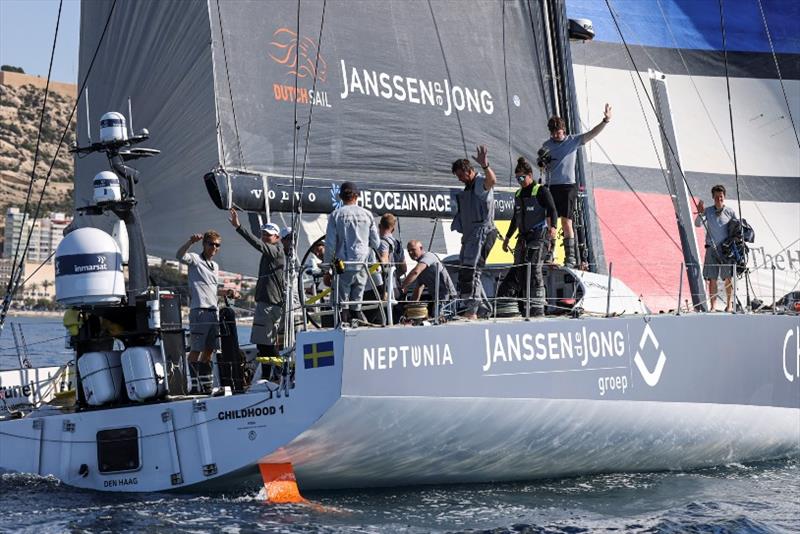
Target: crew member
(390, 251)
(475, 221)
(268, 318)
(716, 265)
(425, 272)
(350, 236)
(557, 156)
(535, 220)
(203, 321)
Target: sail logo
(575, 348)
(335, 200)
(786, 356)
(302, 59)
(650, 378)
(400, 88)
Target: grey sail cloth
(374, 105)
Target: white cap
(285, 231)
(271, 228)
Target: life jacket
(530, 215)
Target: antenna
(130, 117)
(88, 121)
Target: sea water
(760, 497)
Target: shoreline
(33, 313)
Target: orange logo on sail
(301, 56)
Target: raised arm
(482, 158)
(701, 208)
(591, 134)
(248, 236)
(194, 238)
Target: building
(40, 285)
(47, 234)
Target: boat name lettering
(133, 481)
(787, 354)
(409, 201)
(432, 355)
(415, 91)
(10, 392)
(577, 345)
(611, 383)
(249, 413)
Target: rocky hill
(20, 108)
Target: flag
(318, 354)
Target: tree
(11, 68)
(45, 285)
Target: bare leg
(712, 293)
(728, 294)
(566, 227)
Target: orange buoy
(280, 483)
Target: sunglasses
(215, 245)
(521, 179)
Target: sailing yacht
(272, 106)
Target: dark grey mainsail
(392, 92)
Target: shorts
(267, 323)
(565, 197)
(714, 268)
(203, 329)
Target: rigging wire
(508, 104)
(295, 226)
(295, 126)
(539, 53)
(449, 78)
(778, 69)
(230, 89)
(661, 126)
(14, 275)
(730, 106)
(711, 121)
(7, 301)
(733, 135)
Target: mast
(678, 191)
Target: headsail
(684, 41)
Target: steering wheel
(300, 288)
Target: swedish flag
(318, 355)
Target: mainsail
(684, 41)
(385, 93)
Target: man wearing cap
(269, 288)
(350, 237)
(475, 221)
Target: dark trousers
(473, 259)
(532, 251)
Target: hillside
(19, 121)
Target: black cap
(348, 189)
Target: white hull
(372, 408)
(434, 440)
(182, 444)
